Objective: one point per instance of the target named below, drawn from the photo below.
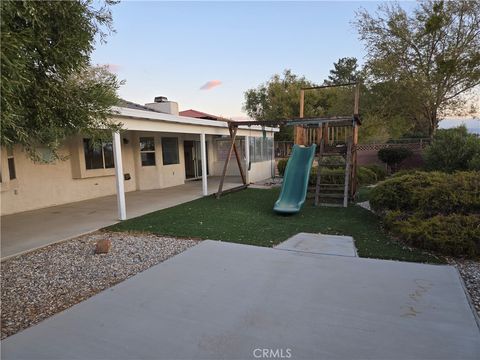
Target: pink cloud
(114, 68)
(211, 84)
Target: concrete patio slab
(229, 301)
(34, 229)
(320, 244)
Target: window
(98, 157)
(170, 151)
(223, 147)
(11, 164)
(147, 151)
(261, 149)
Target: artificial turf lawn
(247, 217)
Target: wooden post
(318, 134)
(348, 169)
(299, 131)
(237, 155)
(357, 100)
(222, 179)
(319, 165)
(353, 186)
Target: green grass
(247, 217)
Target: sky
(205, 55)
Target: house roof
(131, 105)
(156, 116)
(201, 115)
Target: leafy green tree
(433, 53)
(278, 98)
(452, 150)
(49, 90)
(344, 71)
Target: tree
(278, 98)
(344, 71)
(452, 150)
(433, 53)
(49, 90)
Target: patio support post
(117, 156)
(203, 150)
(247, 158)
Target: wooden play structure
(336, 138)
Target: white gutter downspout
(117, 156)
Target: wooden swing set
(335, 136)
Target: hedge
(434, 211)
(429, 193)
(454, 234)
(379, 171)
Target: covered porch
(29, 230)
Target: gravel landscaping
(470, 272)
(44, 282)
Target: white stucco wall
(39, 185)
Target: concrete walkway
(229, 301)
(320, 244)
(33, 229)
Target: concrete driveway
(33, 229)
(228, 301)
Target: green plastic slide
(295, 180)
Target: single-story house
(158, 148)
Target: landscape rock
(103, 246)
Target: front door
(193, 159)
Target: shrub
(394, 156)
(328, 176)
(281, 166)
(337, 176)
(429, 193)
(333, 160)
(474, 163)
(366, 176)
(454, 234)
(452, 150)
(379, 171)
(432, 210)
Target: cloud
(211, 84)
(114, 68)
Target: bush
(379, 171)
(452, 150)
(430, 193)
(394, 156)
(474, 163)
(432, 210)
(454, 234)
(328, 176)
(281, 166)
(366, 176)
